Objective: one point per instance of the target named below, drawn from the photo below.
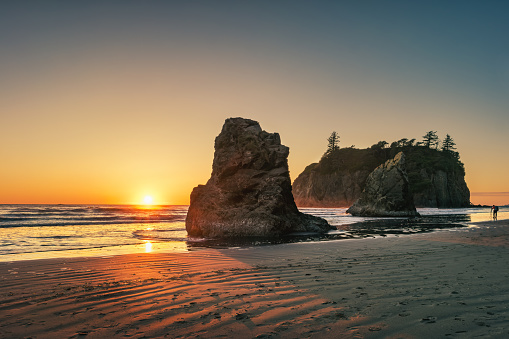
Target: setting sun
(148, 200)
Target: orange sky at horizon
(103, 103)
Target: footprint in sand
(429, 320)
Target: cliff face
(386, 192)
(338, 189)
(446, 190)
(436, 178)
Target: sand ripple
(157, 295)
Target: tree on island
(431, 154)
(331, 159)
(380, 145)
(333, 144)
(448, 145)
(431, 140)
(403, 143)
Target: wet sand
(444, 284)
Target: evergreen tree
(402, 142)
(333, 143)
(448, 145)
(380, 145)
(430, 139)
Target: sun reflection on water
(148, 246)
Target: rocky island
(249, 193)
(436, 176)
(386, 192)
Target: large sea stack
(436, 178)
(386, 192)
(249, 193)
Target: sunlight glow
(148, 246)
(148, 200)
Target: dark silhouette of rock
(386, 192)
(249, 193)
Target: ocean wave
(61, 215)
(175, 234)
(17, 218)
(55, 237)
(84, 223)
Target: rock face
(337, 189)
(435, 180)
(386, 192)
(446, 190)
(249, 193)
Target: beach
(449, 283)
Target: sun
(148, 200)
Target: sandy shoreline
(443, 284)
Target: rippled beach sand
(444, 284)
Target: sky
(111, 101)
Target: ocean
(50, 231)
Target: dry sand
(444, 284)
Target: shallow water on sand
(41, 231)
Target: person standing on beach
(494, 210)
